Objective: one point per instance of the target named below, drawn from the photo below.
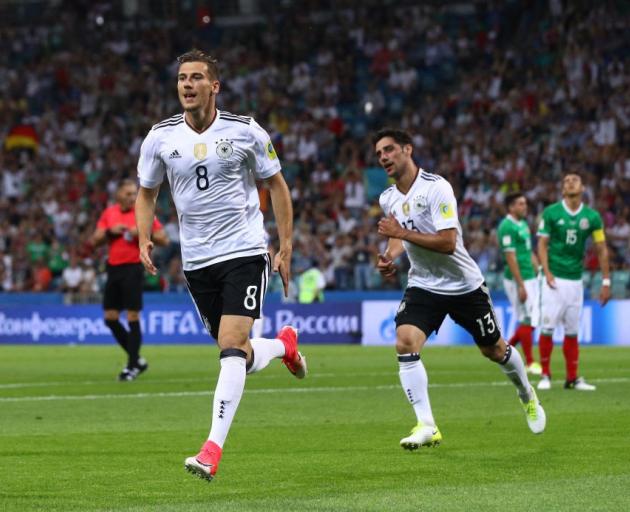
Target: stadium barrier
(171, 318)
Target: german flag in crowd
(22, 136)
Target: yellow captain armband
(598, 235)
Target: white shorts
(528, 310)
(562, 305)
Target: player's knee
(494, 352)
(111, 315)
(232, 341)
(406, 346)
(133, 316)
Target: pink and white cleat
(206, 462)
(293, 360)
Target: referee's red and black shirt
(122, 249)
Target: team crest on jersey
(224, 149)
(405, 208)
(584, 224)
(419, 203)
(200, 150)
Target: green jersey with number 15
(567, 232)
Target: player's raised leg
(476, 314)
(285, 346)
(513, 367)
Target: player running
(421, 218)
(212, 159)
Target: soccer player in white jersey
(212, 159)
(421, 218)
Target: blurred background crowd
(500, 97)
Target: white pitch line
(157, 380)
(21, 385)
(329, 389)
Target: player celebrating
(563, 231)
(421, 218)
(519, 280)
(212, 159)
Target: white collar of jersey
(571, 212)
(419, 171)
(513, 219)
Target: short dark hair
(196, 55)
(126, 181)
(510, 198)
(572, 173)
(401, 137)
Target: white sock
(415, 384)
(264, 351)
(257, 328)
(227, 396)
(513, 366)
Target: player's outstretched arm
(602, 256)
(283, 212)
(145, 212)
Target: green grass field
(72, 438)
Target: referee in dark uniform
(125, 273)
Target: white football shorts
(562, 305)
(530, 309)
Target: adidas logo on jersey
(175, 154)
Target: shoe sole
(301, 371)
(414, 446)
(199, 472)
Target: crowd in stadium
(499, 99)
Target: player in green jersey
(564, 228)
(519, 279)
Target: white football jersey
(428, 207)
(212, 177)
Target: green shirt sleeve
(507, 238)
(543, 225)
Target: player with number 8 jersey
(212, 160)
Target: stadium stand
(500, 98)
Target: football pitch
(72, 438)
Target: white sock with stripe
(513, 366)
(227, 394)
(415, 384)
